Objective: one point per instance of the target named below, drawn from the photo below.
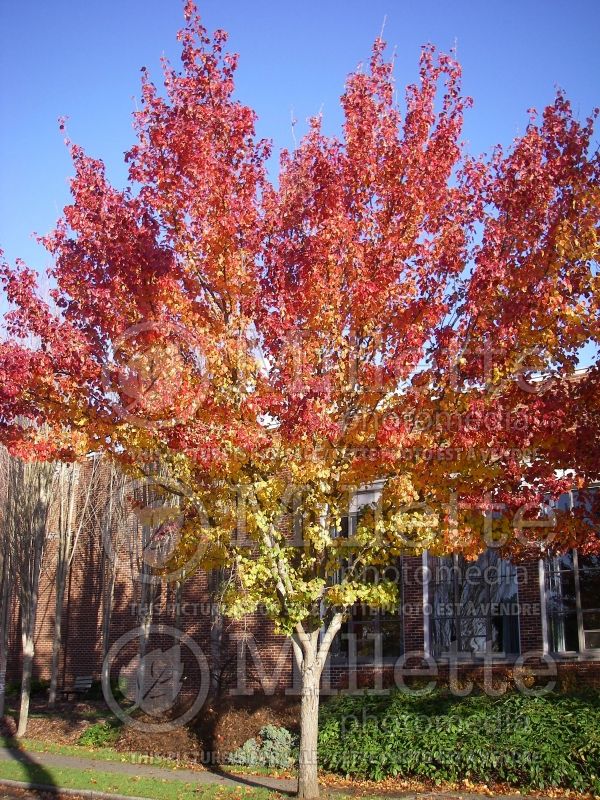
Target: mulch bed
(220, 728)
(64, 725)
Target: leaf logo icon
(153, 682)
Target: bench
(82, 685)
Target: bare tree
(67, 482)
(7, 579)
(71, 522)
(141, 531)
(112, 518)
(5, 598)
(29, 494)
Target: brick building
(457, 620)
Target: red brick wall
(243, 643)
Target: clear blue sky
(82, 60)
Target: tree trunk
(108, 599)
(149, 592)
(144, 638)
(215, 578)
(67, 541)
(28, 650)
(30, 490)
(29, 603)
(109, 540)
(112, 523)
(56, 642)
(3, 664)
(308, 780)
(311, 655)
(6, 593)
(177, 598)
(6, 587)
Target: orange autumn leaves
(357, 320)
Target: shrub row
(527, 742)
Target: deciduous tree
(29, 495)
(392, 310)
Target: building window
(572, 593)
(370, 635)
(473, 605)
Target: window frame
(339, 657)
(431, 617)
(583, 651)
(579, 611)
(362, 497)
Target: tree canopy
(392, 309)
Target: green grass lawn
(129, 785)
(109, 754)
(95, 753)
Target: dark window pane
(589, 562)
(505, 592)
(472, 603)
(348, 525)
(505, 634)
(369, 630)
(591, 620)
(589, 586)
(564, 561)
(563, 600)
(391, 635)
(365, 645)
(560, 592)
(443, 636)
(339, 646)
(562, 633)
(592, 639)
(361, 613)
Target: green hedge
(527, 742)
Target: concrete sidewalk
(219, 778)
(200, 777)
